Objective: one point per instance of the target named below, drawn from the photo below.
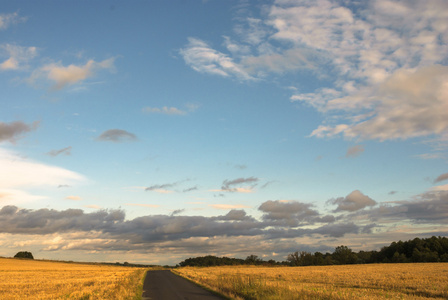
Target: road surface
(164, 285)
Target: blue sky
(154, 131)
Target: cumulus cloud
(352, 202)
(62, 76)
(236, 215)
(288, 212)
(427, 208)
(64, 151)
(116, 136)
(17, 56)
(12, 131)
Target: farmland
(372, 281)
(30, 279)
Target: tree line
(434, 249)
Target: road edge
(203, 286)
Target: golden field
(376, 281)
(31, 279)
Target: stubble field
(376, 281)
(30, 279)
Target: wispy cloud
(17, 56)
(354, 151)
(116, 136)
(93, 206)
(189, 108)
(19, 174)
(228, 206)
(161, 188)
(7, 20)
(167, 188)
(65, 151)
(202, 58)
(75, 198)
(164, 110)
(235, 185)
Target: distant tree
(294, 258)
(24, 254)
(253, 260)
(344, 255)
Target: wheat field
(376, 281)
(31, 279)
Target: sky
(155, 131)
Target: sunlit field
(30, 279)
(376, 281)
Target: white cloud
(164, 110)
(8, 19)
(74, 198)
(17, 56)
(410, 103)
(204, 59)
(383, 62)
(228, 206)
(18, 174)
(63, 76)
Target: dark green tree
(344, 255)
(24, 254)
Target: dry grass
(30, 279)
(377, 281)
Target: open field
(31, 279)
(376, 281)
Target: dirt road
(164, 285)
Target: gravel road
(164, 285)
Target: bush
(24, 254)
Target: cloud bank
(284, 226)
